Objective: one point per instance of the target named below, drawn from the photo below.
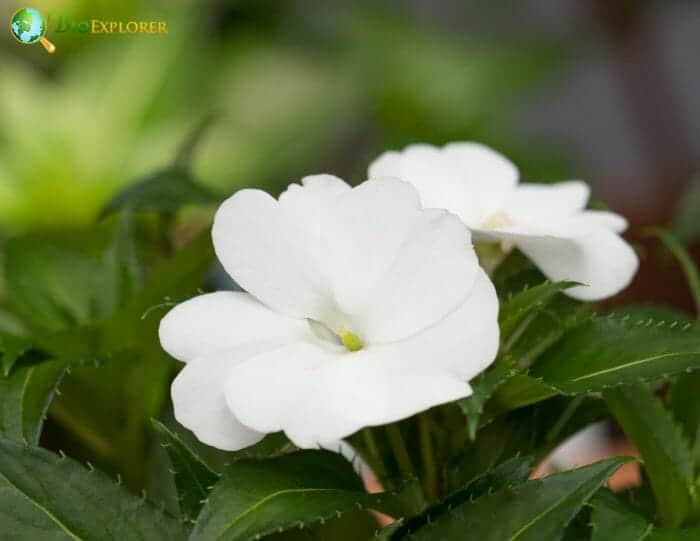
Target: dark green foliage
(25, 396)
(45, 496)
(193, 478)
(259, 497)
(533, 510)
(608, 351)
(665, 452)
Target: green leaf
(684, 405)
(259, 497)
(15, 348)
(526, 304)
(606, 351)
(57, 281)
(519, 391)
(193, 478)
(534, 510)
(534, 430)
(614, 519)
(44, 496)
(513, 471)
(24, 398)
(690, 270)
(165, 191)
(108, 408)
(483, 387)
(665, 453)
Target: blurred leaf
(606, 351)
(57, 281)
(24, 399)
(534, 510)
(665, 452)
(185, 154)
(685, 224)
(14, 348)
(131, 384)
(193, 478)
(166, 191)
(259, 497)
(685, 261)
(46, 496)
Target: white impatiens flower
(362, 308)
(548, 223)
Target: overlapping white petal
(547, 222)
(200, 405)
(318, 395)
(323, 260)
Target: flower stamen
(350, 340)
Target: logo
(28, 26)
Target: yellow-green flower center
(350, 340)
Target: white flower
(548, 223)
(361, 309)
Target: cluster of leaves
(80, 346)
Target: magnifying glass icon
(28, 26)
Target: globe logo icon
(28, 26)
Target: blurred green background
(607, 91)
(593, 89)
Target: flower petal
(537, 203)
(200, 406)
(270, 254)
(308, 203)
(469, 179)
(590, 255)
(319, 395)
(602, 260)
(219, 321)
(394, 268)
(602, 218)
(431, 275)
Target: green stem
(398, 446)
(430, 481)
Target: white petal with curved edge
(466, 341)
(218, 321)
(362, 234)
(469, 179)
(601, 259)
(602, 218)
(199, 404)
(537, 203)
(431, 274)
(318, 396)
(308, 203)
(270, 254)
